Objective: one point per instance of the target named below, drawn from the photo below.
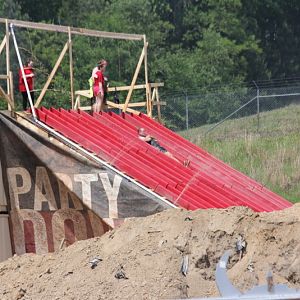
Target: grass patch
(270, 155)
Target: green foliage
(192, 43)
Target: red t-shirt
(98, 77)
(27, 71)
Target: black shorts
(162, 149)
(105, 98)
(155, 144)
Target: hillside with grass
(270, 154)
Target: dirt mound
(142, 259)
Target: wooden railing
(154, 100)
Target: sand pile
(146, 255)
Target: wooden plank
(158, 105)
(121, 106)
(77, 31)
(136, 87)
(58, 62)
(134, 104)
(6, 97)
(3, 43)
(77, 102)
(148, 88)
(114, 105)
(71, 68)
(85, 93)
(140, 104)
(3, 77)
(11, 82)
(85, 108)
(8, 87)
(153, 95)
(136, 73)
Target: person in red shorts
(99, 85)
(29, 74)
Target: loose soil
(146, 255)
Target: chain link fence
(254, 129)
(219, 112)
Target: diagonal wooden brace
(58, 62)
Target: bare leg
(172, 156)
(98, 103)
(101, 106)
(94, 107)
(185, 163)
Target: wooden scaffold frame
(151, 89)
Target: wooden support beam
(11, 83)
(58, 62)
(148, 88)
(8, 87)
(6, 97)
(71, 68)
(149, 102)
(2, 45)
(3, 77)
(114, 105)
(78, 31)
(135, 104)
(141, 104)
(153, 95)
(158, 105)
(85, 93)
(136, 87)
(85, 108)
(136, 73)
(77, 102)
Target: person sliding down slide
(153, 142)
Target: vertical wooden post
(11, 84)
(158, 105)
(77, 102)
(7, 62)
(153, 94)
(150, 103)
(71, 67)
(148, 95)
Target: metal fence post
(257, 105)
(186, 110)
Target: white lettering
(112, 192)
(43, 182)
(66, 188)
(86, 180)
(14, 189)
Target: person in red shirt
(29, 74)
(99, 85)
